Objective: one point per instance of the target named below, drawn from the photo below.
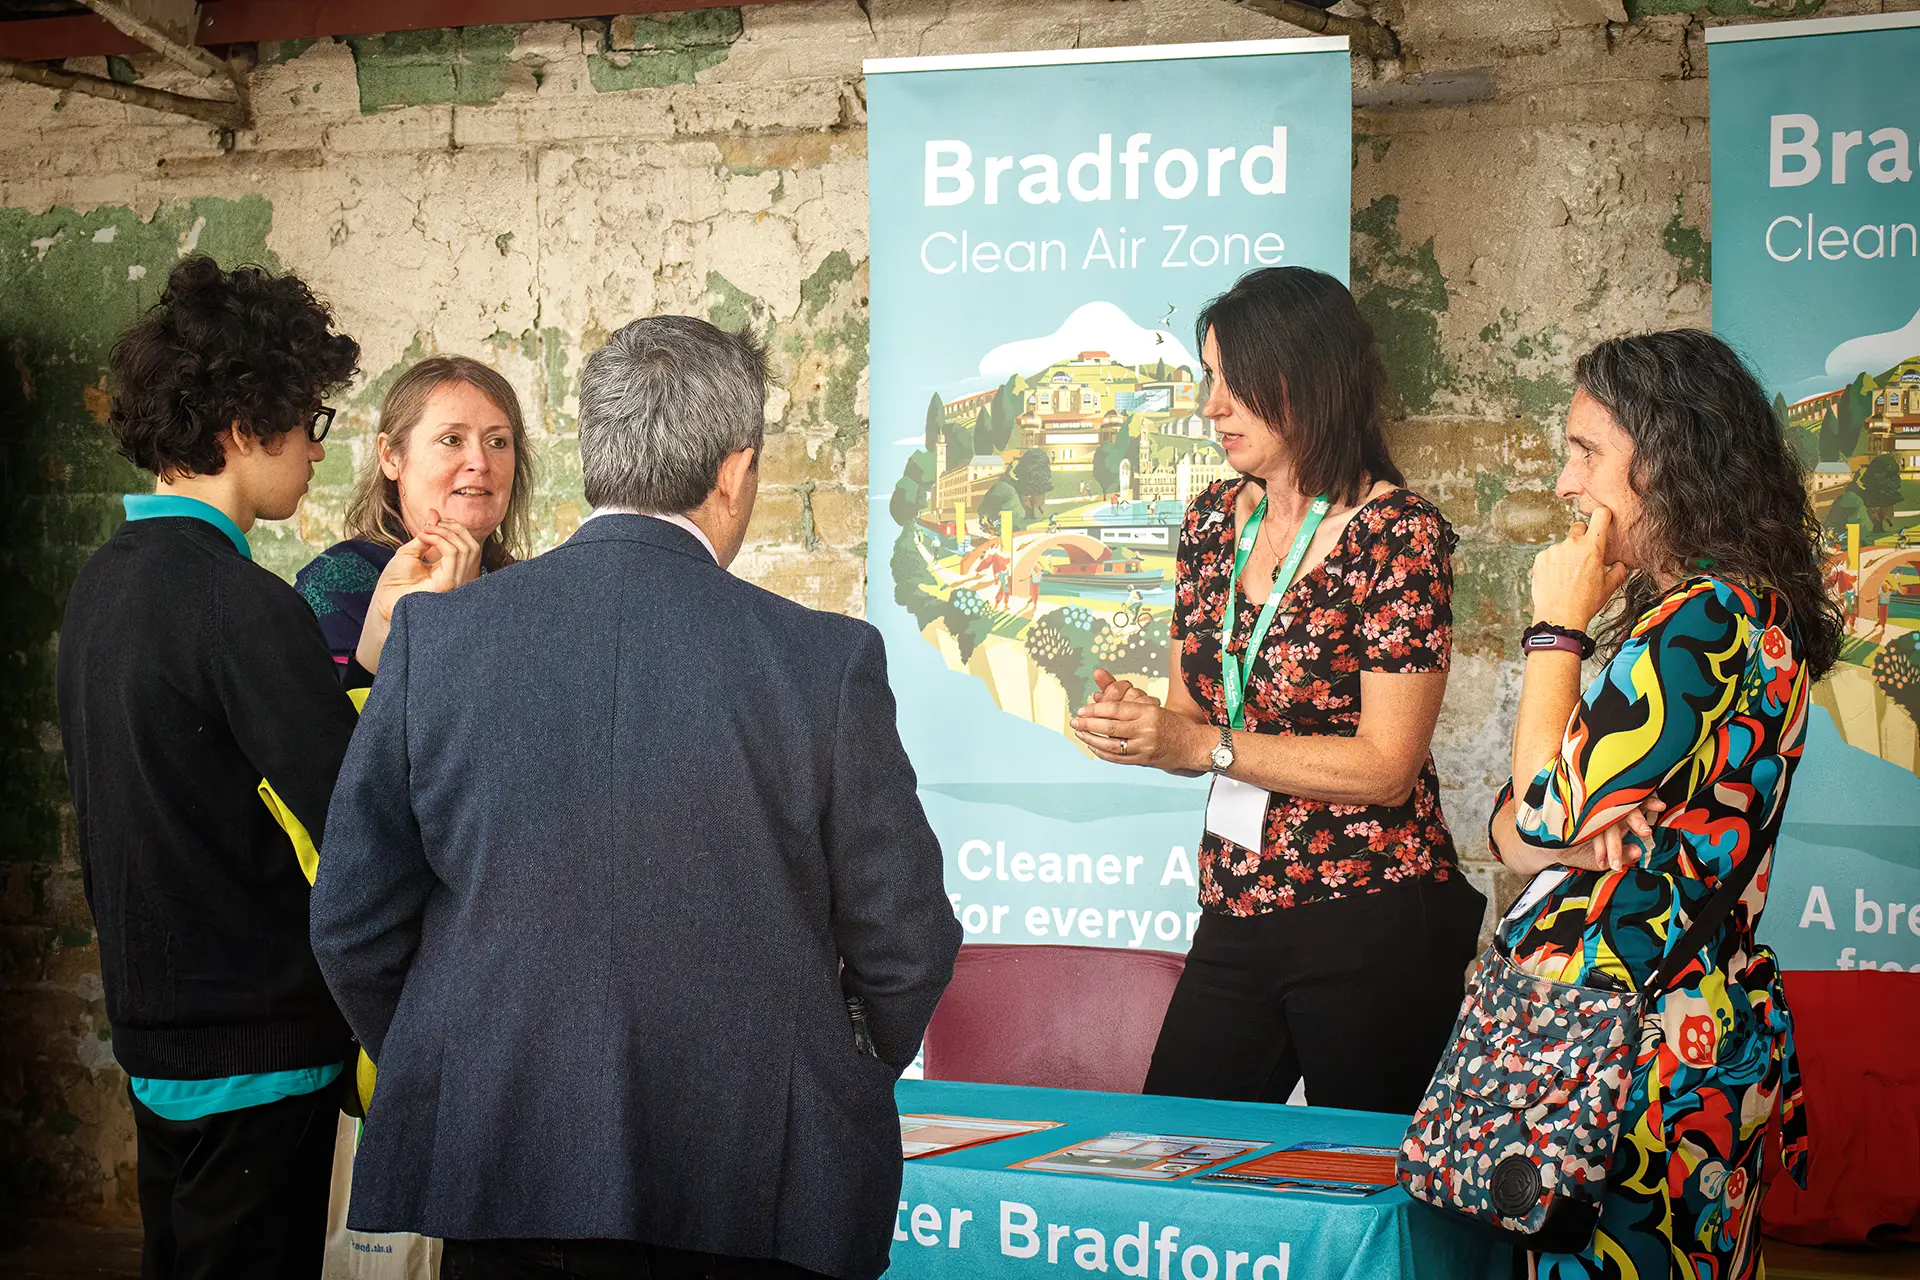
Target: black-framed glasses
(321, 424)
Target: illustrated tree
(936, 421)
(995, 502)
(1106, 468)
(910, 492)
(1061, 644)
(1033, 480)
(1830, 437)
(1879, 485)
(1847, 509)
(995, 425)
(1807, 444)
(959, 445)
(910, 577)
(1896, 670)
(1780, 414)
(1856, 406)
(1107, 459)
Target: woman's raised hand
(1573, 579)
(456, 553)
(444, 555)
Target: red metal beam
(225, 22)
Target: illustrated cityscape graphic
(1861, 444)
(1038, 526)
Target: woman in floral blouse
(1337, 926)
(1668, 775)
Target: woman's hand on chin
(1573, 579)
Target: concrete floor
(73, 1251)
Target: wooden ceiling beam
(224, 22)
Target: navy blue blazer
(608, 830)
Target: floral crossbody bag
(1517, 1128)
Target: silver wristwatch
(1220, 759)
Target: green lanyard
(1231, 673)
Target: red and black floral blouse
(1382, 600)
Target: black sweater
(186, 674)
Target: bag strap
(1711, 917)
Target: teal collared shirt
(192, 1099)
(147, 506)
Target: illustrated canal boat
(1072, 570)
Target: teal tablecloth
(1008, 1220)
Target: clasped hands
(1126, 725)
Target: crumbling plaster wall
(1530, 177)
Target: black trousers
(1356, 995)
(600, 1260)
(237, 1195)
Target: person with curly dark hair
(1633, 802)
(187, 674)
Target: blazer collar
(620, 527)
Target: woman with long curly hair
(1639, 796)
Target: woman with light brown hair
(442, 500)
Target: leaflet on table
(1315, 1168)
(930, 1135)
(1153, 1156)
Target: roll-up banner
(1816, 280)
(1045, 228)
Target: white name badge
(1542, 885)
(1237, 811)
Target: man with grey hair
(619, 843)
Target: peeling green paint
(1687, 246)
(72, 938)
(735, 310)
(120, 70)
(376, 388)
(817, 289)
(551, 350)
(1490, 590)
(465, 66)
(69, 283)
(1541, 395)
(839, 402)
(664, 50)
(1401, 292)
(1488, 488)
(1375, 145)
(1543, 399)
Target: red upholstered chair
(1052, 1017)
